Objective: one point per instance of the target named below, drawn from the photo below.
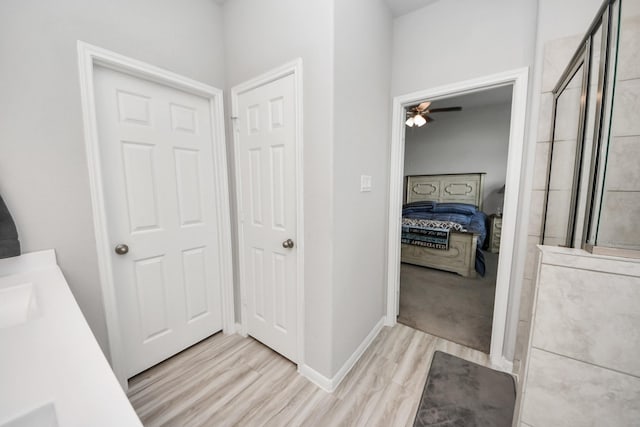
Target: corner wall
(260, 36)
(43, 166)
(361, 109)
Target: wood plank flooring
(228, 380)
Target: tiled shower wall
(621, 206)
(557, 54)
(621, 202)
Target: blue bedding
(467, 215)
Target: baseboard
(316, 377)
(330, 384)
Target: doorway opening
(515, 82)
(454, 171)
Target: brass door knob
(288, 244)
(122, 249)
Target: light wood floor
(228, 380)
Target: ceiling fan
(418, 114)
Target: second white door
(266, 150)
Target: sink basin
(17, 305)
(43, 416)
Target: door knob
(287, 244)
(122, 249)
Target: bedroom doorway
(454, 168)
(499, 266)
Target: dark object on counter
(9, 243)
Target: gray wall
(362, 73)
(472, 140)
(452, 41)
(263, 35)
(43, 168)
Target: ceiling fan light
(409, 122)
(419, 120)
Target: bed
(462, 254)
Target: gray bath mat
(465, 394)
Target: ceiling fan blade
(441, 110)
(428, 119)
(423, 106)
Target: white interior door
(156, 149)
(265, 142)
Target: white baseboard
(316, 377)
(330, 384)
(239, 330)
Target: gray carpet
(448, 305)
(461, 393)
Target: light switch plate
(365, 183)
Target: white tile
(532, 256)
(629, 49)
(562, 165)
(544, 118)
(581, 259)
(569, 393)
(557, 216)
(522, 340)
(567, 115)
(541, 162)
(619, 220)
(526, 299)
(623, 173)
(589, 316)
(535, 212)
(557, 54)
(626, 108)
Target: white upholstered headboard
(458, 187)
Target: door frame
(291, 68)
(518, 78)
(88, 57)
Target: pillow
(423, 205)
(452, 217)
(457, 208)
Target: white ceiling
(402, 7)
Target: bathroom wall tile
(574, 317)
(629, 50)
(557, 216)
(557, 54)
(532, 257)
(567, 115)
(522, 340)
(619, 220)
(526, 299)
(565, 392)
(535, 212)
(583, 260)
(626, 107)
(544, 118)
(540, 173)
(562, 165)
(623, 173)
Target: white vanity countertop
(52, 357)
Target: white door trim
(518, 78)
(295, 68)
(88, 57)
